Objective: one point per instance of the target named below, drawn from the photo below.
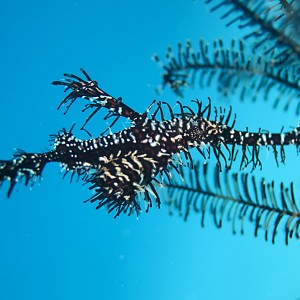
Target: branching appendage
(272, 65)
(98, 98)
(235, 197)
(271, 30)
(233, 70)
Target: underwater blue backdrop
(52, 245)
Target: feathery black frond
(234, 70)
(270, 29)
(236, 197)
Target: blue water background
(52, 245)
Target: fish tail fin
(23, 166)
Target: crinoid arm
(236, 71)
(238, 198)
(270, 30)
(98, 98)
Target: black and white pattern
(119, 166)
